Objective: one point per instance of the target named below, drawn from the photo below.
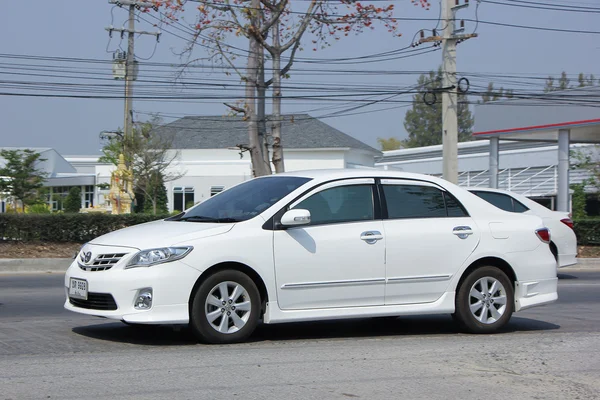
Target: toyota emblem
(88, 257)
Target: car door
(429, 236)
(338, 259)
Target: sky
(511, 57)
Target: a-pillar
(494, 157)
(562, 197)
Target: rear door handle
(462, 232)
(371, 236)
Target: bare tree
(150, 156)
(254, 19)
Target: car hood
(161, 234)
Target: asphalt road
(550, 352)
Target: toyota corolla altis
(317, 245)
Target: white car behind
(318, 245)
(563, 243)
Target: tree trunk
(261, 114)
(276, 115)
(252, 65)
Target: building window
(56, 197)
(183, 198)
(216, 190)
(88, 196)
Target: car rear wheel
(225, 308)
(484, 301)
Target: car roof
(341, 173)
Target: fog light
(143, 299)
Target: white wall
(359, 158)
(204, 168)
(299, 160)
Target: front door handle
(462, 232)
(371, 237)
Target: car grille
(95, 301)
(102, 262)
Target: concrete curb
(60, 265)
(34, 265)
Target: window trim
(380, 211)
(370, 182)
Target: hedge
(587, 231)
(66, 227)
(85, 227)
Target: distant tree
(589, 161)
(492, 94)
(150, 155)
(156, 199)
(72, 203)
(389, 144)
(564, 82)
(20, 178)
(424, 122)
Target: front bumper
(171, 283)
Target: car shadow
(566, 276)
(147, 335)
(150, 335)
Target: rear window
(502, 201)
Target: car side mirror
(295, 217)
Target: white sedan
(564, 242)
(319, 245)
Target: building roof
(540, 117)
(299, 131)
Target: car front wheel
(484, 301)
(225, 308)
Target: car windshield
(244, 201)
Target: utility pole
(130, 70)
(449, 39)
(130, 74)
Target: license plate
(78, 289)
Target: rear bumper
(535, 293)
(564, 260)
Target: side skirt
(274, 315)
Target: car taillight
(568, 222)
(543, 234)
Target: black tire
(484, 319)
(205, 330)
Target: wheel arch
(554, 250)
(233, 265)
(492, 262)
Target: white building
(210, 160)
(528, 168)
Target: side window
(519, 207)
(453, 207)
(414, 201)
(500, 200)
(340, 204)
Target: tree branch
(236, 109)
(275, 17)
(288, 66)
(231, 64)
(305, 22)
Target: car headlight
(147, 258)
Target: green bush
(66, 227)
(587, 231)
(72, 203)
